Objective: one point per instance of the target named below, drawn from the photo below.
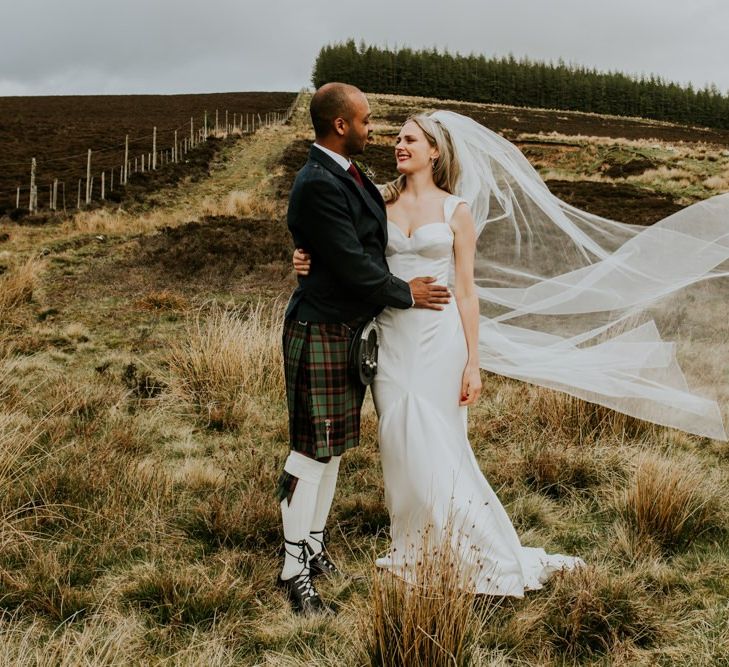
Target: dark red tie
(355, 174)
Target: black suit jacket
(344, 228)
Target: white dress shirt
(342, 161)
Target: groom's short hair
(331, 101)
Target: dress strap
(449, 207)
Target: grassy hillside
(143, 427)
(58, 130)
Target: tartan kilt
(324, 399)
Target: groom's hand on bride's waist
(426, 294)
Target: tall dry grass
(18, 284)
(18, 455)
(229, 364)
(718, 183)
(559, 467)
(240, 204)
(22, 452)
(428, 617)
(564, 175)
(107, 638)
(119, 221)
(592, 611)
(664, 173)
(589, 616)
(584, 421)
(673, 502)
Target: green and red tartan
(324, 400)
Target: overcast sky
(177, 46)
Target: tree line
(523, 82)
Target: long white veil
(632, 318)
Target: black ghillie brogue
(319, 564)
(300, 589)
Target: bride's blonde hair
(446, 169)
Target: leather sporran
(363, 352)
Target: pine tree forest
(523, 82)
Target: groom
(337, 214)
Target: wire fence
(108, 169)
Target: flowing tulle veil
(632, 318)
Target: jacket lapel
(369, 193)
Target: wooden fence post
(226, 123)
(17, 198)
(55, 194)
(192, 128)
(78, 201)
(142, 162)
(88, 178)
(205, 131)
(103, 192)
(31, 201)
(154, 149)
(175, 151)
(126, 161)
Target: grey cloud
(84, 46)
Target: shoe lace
(321, 557)
(303, 583)
(324, 537)
(306, 586)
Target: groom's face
(359, 126)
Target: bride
(545, 293)
(429, 373)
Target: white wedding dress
(432, 479)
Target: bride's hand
(470, 385)
(302, 262)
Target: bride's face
(413, 153)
